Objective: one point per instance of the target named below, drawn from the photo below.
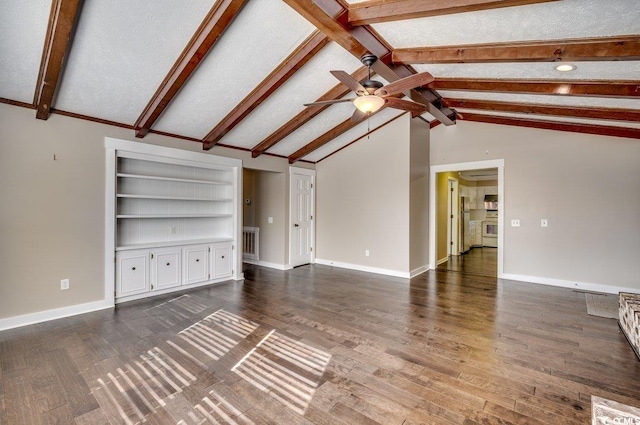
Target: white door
(301, 217)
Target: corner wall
(587, 187)
(362, 201)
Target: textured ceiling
(19, 53)
(122, 51)
(628, 70)
(557, 119)
(311, 82)
(246, 53)
(598, 102)
(544, 21)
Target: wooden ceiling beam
(330, 16)
(595, 88)
(604, 130)
(296, 60)
(585, 49)
(618, 114)
(376, 11)
(208, 33)
(62, 22)
(336, 131)
(307, 114)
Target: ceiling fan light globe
(368, 104)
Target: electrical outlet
(515, 223)
(544, 222)
(173, 230)
(64, 284)
(366, 252)
(270, 220)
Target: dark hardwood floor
(321, 345)
(478, 261)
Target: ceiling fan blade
(407, 105)
(358, 115)
(406, 83)
(328, 102)
(346, 79)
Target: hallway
(477, 261)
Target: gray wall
(363, 201)
(52, 214)
(587, 186)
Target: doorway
(466, 217)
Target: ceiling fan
(373, 95)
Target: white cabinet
(222, 264)
(132, 273)
(176, 219)
(491, 190)
(165, 268)
(196, 261)
(475, 233)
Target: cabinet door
(196, 264)
(222, 256)
(165, 268)
(491, 190)
(132, 273)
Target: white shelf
(172, 198)
(174, 215)
(171, 179)
(172, 243)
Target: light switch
(515, 223)
(270, 220)
(544, 223)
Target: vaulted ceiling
(236, 73)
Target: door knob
(296, 225)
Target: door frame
(452, 210)
(476, 165)
(305, 172)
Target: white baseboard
(268, 264)
(420, 270)
(56, 313)
(361, 268)
(442, 260)
(594, 287)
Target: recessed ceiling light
(565, 67)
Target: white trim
(442, 260)
(110, 227)
(585, 286)
(305, 172)
(161, 151)
(53, 314)
(476, 165)
(419, 270)
(269, 265)
(361, 268)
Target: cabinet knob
(296, 225)
(133, 268)
(168, 264)
(197, 259)
(223, 256)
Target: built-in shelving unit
(176, 219)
